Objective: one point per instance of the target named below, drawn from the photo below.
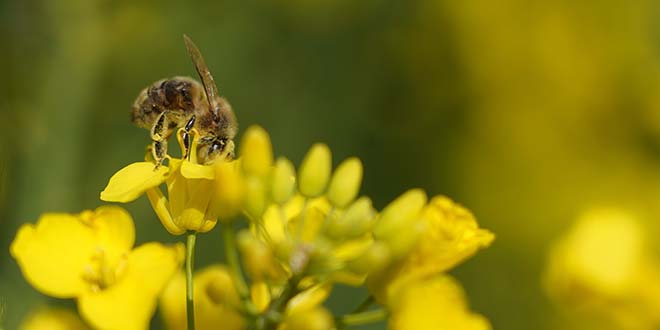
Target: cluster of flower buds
(290, 236)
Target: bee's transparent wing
(203, 71)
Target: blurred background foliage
(527, 112)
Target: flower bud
(355, 222)
(260, 294)
(373, 260)
(283, 181)
(315, 171)
(255, 197)
(258, 259)
(256, 152)
(316, 319)
(229, 191)
(345, 182)
(400, 213)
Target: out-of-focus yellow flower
(432, 304)
(196, 194)
(89, 256)
(603, 266)
(52, 319)
(449, 235)
(216, 301)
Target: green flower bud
(315, 171)
(283, 181)
(401, 213)
(345, 182)
(256, 152)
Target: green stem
(364, 305)
(231, 256)
(361, 318)
(190, 260)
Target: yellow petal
(160, 204)
(132, 181)
(53, 254)
(198, 196)
(131, 301)
(196, 171)
(114, 229)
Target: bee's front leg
(159, 134)
(186, 136)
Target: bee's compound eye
(217, 146)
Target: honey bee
(182, 102)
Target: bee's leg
(159, 134)
(159, 151)
(186, 136)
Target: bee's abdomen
(179, 95)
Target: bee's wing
(203, 71)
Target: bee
(182, 102)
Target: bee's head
(214, 149)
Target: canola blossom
(290, 235)
(90, 257)
(603, 267)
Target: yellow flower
(52, 319)
(603, 266)
(89, 256)
(196, 194)
(216, 301)
(432, 304)
(449, 235)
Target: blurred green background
(527, 112)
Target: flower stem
(231, 256)
(364, 305)
(190, 259)
(361, 318)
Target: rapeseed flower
(90, 257)
(617, 282)
(307, 230)
(432, 304)
(197, 194)
(445, 234)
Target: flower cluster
(603, 268)
(289, 236)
